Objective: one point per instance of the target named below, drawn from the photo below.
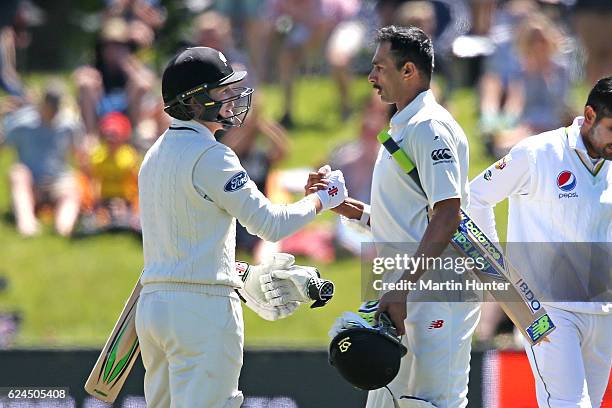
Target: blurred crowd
(79, 139)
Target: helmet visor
(227, 105)
(231, 102)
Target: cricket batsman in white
(421, 209)
(191, 190)
(559, 185)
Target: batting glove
(336, 191)
(364, 318)
(348, 320)
(296, 284)
(253, 296)
(367, 311)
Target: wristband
(365, 216)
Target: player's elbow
(447, 212)
(271, 235)
(269, 227)
(277, 221)
(451, 218)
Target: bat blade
(118, 355)
(519, 302)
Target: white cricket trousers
(191, 345)
(572, 370)
(437, 366)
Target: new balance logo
(441, 154)
(332, 191)
(436, 324)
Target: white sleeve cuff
(365, 216)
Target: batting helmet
(367, 358)
(191, 75)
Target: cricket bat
(118, 355)
(519, 302)
(122, 348)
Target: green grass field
(71, 292)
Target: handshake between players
(275, 288)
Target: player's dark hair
(600, 98)
(180, 112)
(409, 44)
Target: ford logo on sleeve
(566, 181)
(237, 181)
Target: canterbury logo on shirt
(442, 156)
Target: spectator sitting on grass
(500, 105)
(114, 167)
(542, 84)
(118, 81)
(144, 18)
(43, 140)
(9, 78)
(302, 27)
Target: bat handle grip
(321, 291)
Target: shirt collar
(197, 126)
(421, 100)
(574, 139)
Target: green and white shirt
(436, 144)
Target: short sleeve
(436, 154)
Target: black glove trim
(321, 291)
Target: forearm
(273, 222)
(350, 208)
(436, 238)
(219, 178)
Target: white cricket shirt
(438, 147)
(191, 190)
(556, 194)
